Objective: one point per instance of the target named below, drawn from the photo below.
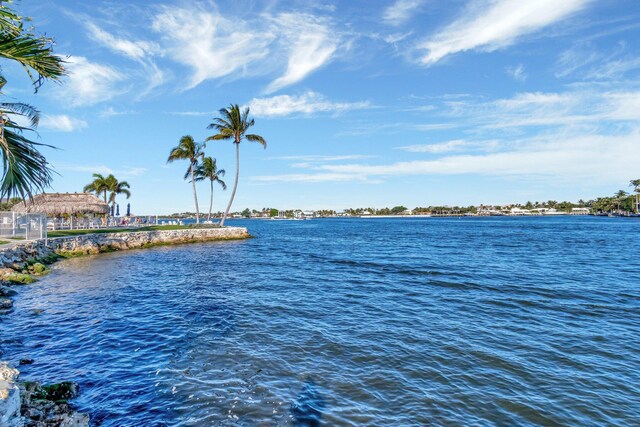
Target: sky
(362, 103)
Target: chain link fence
(22, 226)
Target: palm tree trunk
(195, 195)
(106, 216)
(210, 203)
(235, 185)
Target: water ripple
(507, 321)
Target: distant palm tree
(98, 185)
(233, 125)
(116, 187)
(209, 170)
(619, 196)
(189, 150)
(635, 183)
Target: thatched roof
(56, 204)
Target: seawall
(21, 254)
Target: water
(376, 322)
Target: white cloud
(571, 136)
(517, 72)
(307, 103)
(598, 157)
(133, 49)
(315, 177)
(324, 158)
(442, 147)
(125, 172)
(311, 44)
(112, 112)
(208, 43)
(400, 11)
(488, 26)
(89, 82)
(62, 123)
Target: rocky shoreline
(31, 404)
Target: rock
(61, 391)
(5, 304)
(9, 396)
(44, 406)
(6, 291)
(26, 362)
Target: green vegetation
(25, 169)
(208, 170)
(21, 278)
(189, 150)
(38, 269)
(102, 185)
(233, 125)
(4, 242)
(99, 186)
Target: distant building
(580, 211)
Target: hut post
(13, 224)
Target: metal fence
(23, 226)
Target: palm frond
(25, 169)
(256, 138)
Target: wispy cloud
(61, 123)
(324, 158)
(401, 11)
(312, 177)
(489, 26)
(211, 45)
(310, 44)
(307, 103)
(442, 147)
(112, 112)
(89, 82)
(124, 172)
(588, 63)
(134, 49)
(517, 72)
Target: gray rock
(6, 291)
(9, 396)
(5, 304)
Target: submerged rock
(48, 405)
(25, 362)
(5, 304)
(6, 291)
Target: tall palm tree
(115, 187)
(25, 169)
(233, 125)
(635, 183)
(99, 186)
(209, 170)
(189, 150)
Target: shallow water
(368, 322)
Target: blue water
(338, 322)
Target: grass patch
(4, 242)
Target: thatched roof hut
(58, 204)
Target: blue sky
(362, 103)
